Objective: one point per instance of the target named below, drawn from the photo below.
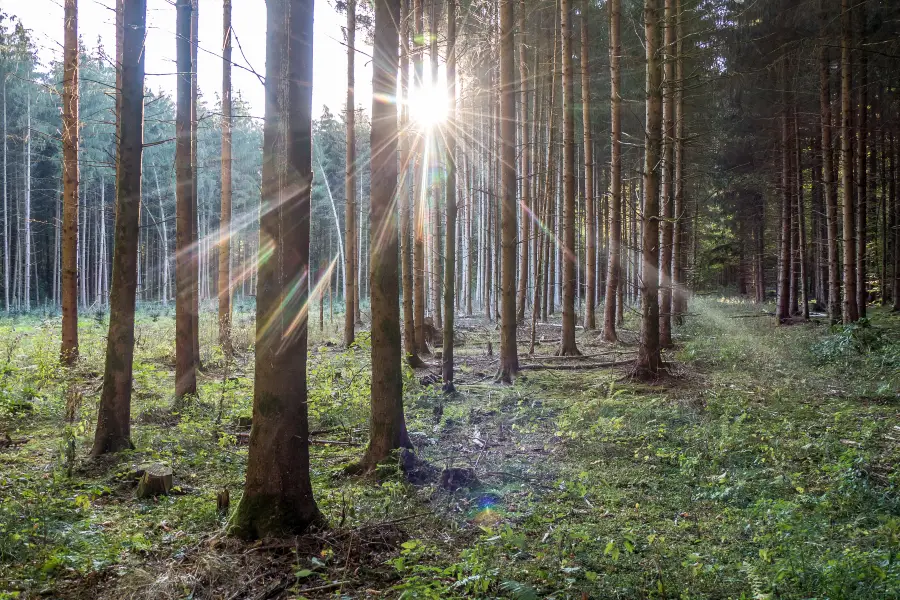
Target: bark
(195, 240)
(69, 348)
(450, 250)
(27, 204)
(350, 184)
(278, 496)
(666, 199)
(850, 312)
(783, 309)
(224, 281)
(649, 361)
(567, 343)
(6, 231)
(895, 203)
(387, 430)
(679, 293)
(590, 211)
(185, 364)
(435, 184)
(615, 173)
(801, 225)
(113, 431)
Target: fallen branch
(576, 367)
(334, 443)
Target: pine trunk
(851, 309)
(69, 292)
(224, 281)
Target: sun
(428, 105)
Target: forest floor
(764, 466)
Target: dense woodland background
(613, 314)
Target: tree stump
(155, 480)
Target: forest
(593, 299)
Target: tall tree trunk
(615, 173)
(68, 352)
(409, 331)
(450, 248)
(164, 241)
(590, 211)
(388, 428)
(419, 186)
(851, 309)
(224, 281)
(649, 361)
(679, 293)
(525, 162)
(195, 247)
(27, 217)
(801, 224)
(667, 171)
(185, 364)
(895, 203)
(278, 497)
(830, 188)
(783, 310)
(567, 345)
(350, 182)
(509, 356)
(114, 416)
(6, 232)
(435, 184)
(862, 132)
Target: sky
(96, 21)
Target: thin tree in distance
(615, 174)
(225, 215)
(69, 278)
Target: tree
(185, 363)
(194, 247)
(387, 430)
(862, 155)
(113, 431)
(350, 292)
(668, 172)
(649, 360)
(526, 210)
(590, 210)
(278, 497)
(69, 290)
(225, 215)
(419, 193)
(450, 250)
(509, 356)
(850, 312)
(615, 174)
(567, 344)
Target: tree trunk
(590, 211)
(830, 188)
(567, 344)
(862, 132)
(68, 352)
(420, 193)
(114, 416)
(615, 173)
(895, 203)
(350, 183)
(278, 497)
(801, 225)
(525, 162)
(667, 172)
(185, 364)
(509, 357)
(649, 361)
(388, 428)
(450, 249)
(195, 212)
(224, 282)
(27, 217)
(851, 312)
(783, 310)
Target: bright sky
(97, 20)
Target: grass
(765, 468)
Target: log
(155, 480)
(575, 367)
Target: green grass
(764, 468)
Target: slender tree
(667, 172)
(615, 173)
(194, 247)
(590, 211)
(509, 357)
(278, 497)
(387, 430)
(850, 312)
(860, 176)
(830, 188)
(567, 344)
(225, 217)
(350, 293)
(113, 431)
(649, 360)
(69, 348)
(450, 249)
(419, 193)
(185, 365)
(525, 162)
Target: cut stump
(155, 480)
